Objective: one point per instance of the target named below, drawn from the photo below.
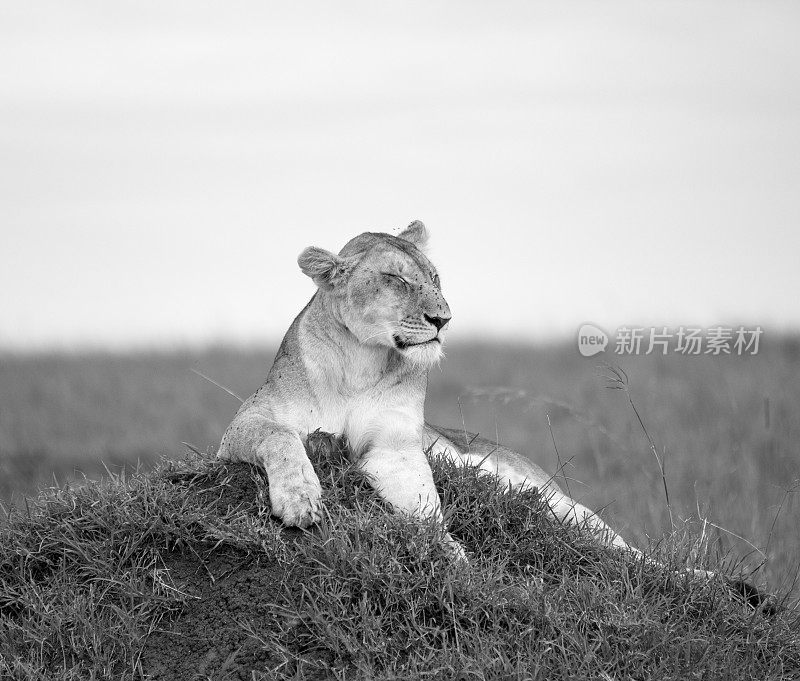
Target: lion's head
(385, 291)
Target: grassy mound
(181, 574)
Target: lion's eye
(396, 276)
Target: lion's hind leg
(294, 489)
(570, 512)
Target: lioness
(355, 361)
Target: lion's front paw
(297, 500)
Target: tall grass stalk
(618, 380)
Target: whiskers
(380, 333)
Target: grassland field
(726, 427)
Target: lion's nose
(438, 322)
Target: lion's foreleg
(403, 478)
(401, 474)
(294, 489)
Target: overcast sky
(162, 164)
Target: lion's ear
(324, 267)
(416, 233)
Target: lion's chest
(360, 413)
(355, 391)
(356, 414)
